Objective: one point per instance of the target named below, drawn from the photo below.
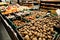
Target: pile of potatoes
(18, 23)
(35, 14)
(39, 29)
(30, 17)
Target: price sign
(58, 11)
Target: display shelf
(50, 4)
(49, 8)
(10, 31)
(31, 2)
(50, 1)
(47, 5)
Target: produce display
(40, 29)
(10, 9)
(10, 16)
(14, 8)
(26, 16)
(32, 25)
(19, 13)
(35, 14)
(3, 3)
(2, 7)
(18, 23)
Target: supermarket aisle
(3, 33)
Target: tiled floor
(3, 33)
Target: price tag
(48, 13)
(58, 11)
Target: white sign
(58, 11)
(3, 0)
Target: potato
(25, 32)
(38, 34)
(27, 37)
(33, 28)
(49, 36)
(40, 39)
(34, 38)
(30, 34)
(43, 39)
(35, 33)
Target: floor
(3, 33)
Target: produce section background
(50, 0)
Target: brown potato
(27, 37)
(40, 39)
(34, 38)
